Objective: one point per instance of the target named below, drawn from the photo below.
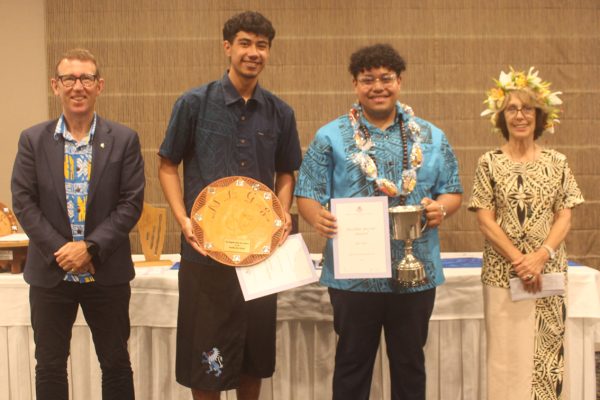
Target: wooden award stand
(13, 246)
(152, 228)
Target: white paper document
(552, 285)
(361, 248)
(289, 267)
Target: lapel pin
(102, 145)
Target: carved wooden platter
(238, 221)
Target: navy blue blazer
(114, 204)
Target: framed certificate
(290, 266)
(361, 248)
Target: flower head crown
(519, 81)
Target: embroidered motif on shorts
(214, 360)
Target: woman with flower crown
(523, 195)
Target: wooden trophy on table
(152, 228)
(13, 246)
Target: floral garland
(362, 139)
(518, 80)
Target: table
(455, 352)
(13, 251)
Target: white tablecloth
(455, 352)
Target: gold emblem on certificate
(238, 220)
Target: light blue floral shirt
(327, 172)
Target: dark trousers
(106, 310)
(358, 318)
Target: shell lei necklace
(366, 162)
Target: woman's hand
(530, 267)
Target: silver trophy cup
(407, 226)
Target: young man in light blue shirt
(380, 149)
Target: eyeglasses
(527, 111)
(386, 80)
(87, 80)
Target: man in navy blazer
(78, 189)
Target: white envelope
(553, 284)
(288, 267)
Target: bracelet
(550, 250)
(443, 211)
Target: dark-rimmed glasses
(87, 80)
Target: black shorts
(219, 335)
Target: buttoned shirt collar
(232, 96)
(400, 114)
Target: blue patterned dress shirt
(327, 172)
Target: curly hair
(376, 56)
(248, 21)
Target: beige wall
(24, 99)
(152, 50)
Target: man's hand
(89, 267)
(188, 234)
(317, 216)
(325, 223)
(73, 256)
(171, 186)
(287, 227)
(434, 212)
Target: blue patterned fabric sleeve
(289, 155)
(448, 180)
(180, 131)
(316, 171)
